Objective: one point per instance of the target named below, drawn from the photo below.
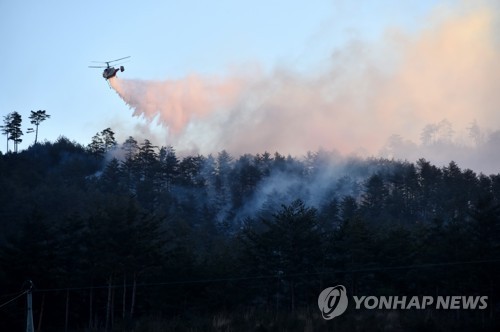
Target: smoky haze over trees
(126, 236)
(434, 87)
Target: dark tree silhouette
(14, 129)
(102, 142)
(150, 237)
(36, 118)
(291, 243)
(5, 129)
(374, 198)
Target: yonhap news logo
(333, 301)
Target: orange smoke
(176, 102)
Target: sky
(250, 76)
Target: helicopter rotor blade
(97, 67)
(119, 59)
(120, 63)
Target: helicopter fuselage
(111, 72)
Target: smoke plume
(368, 94)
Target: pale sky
(47, 46)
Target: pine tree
(108, 138)
(102, 142)
(190, 171)
(111, 178)
(37, 118)
(373, 200)
(13, 130)
(5, 128)
(291, 245)
(148, 160)
(96, 146)
(169, 166)
(129, 166)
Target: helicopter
(110, 71)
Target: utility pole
(67, 311)
(29, 318)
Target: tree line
(115, 234)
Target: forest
(133, 237)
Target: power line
(4, 304)
(9, 295)
(274, 276)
